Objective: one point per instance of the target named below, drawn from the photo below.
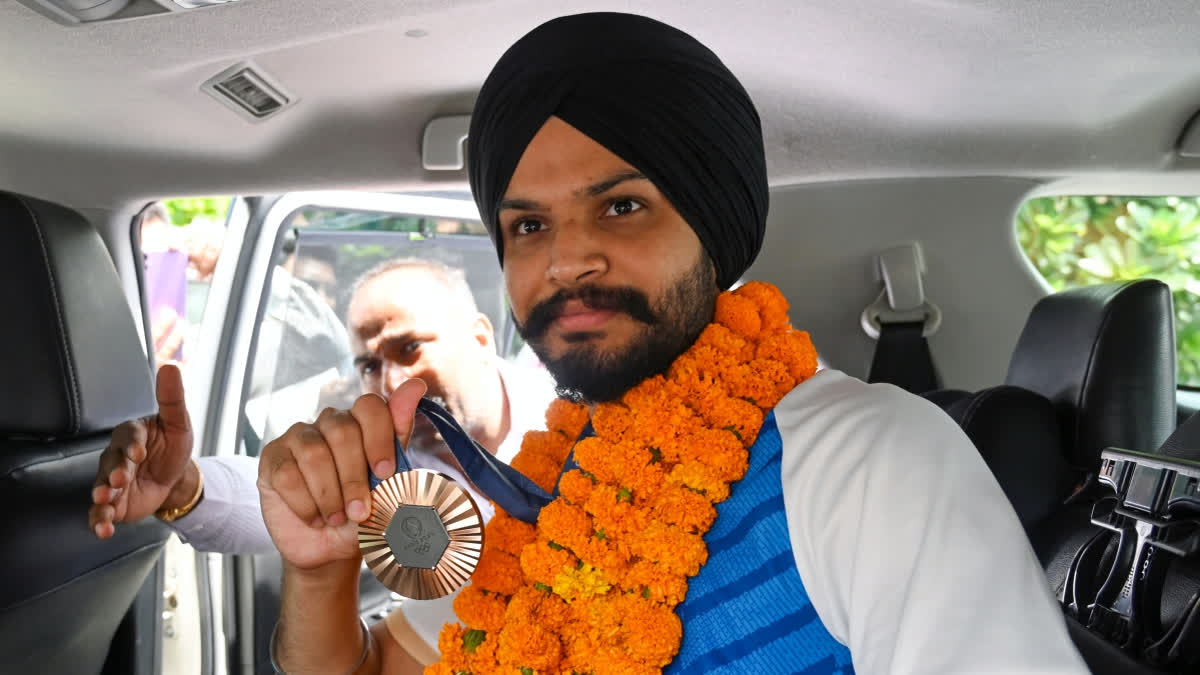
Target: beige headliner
(98, 115)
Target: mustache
(615, 299)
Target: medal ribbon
(510, 489)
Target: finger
(170, 345)
(172, 407)
(100, 520)
(288, 483)
(379, 435)
(315, 459)
(120, 477)
(341, 430)
(125, 451)
(163, 323)
(403, 406)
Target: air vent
(248, 91)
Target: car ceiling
(872, 111)
(101, 114)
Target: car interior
(902, 141)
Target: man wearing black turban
(619, 168)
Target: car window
(303, 362)
(1088, 239)
(181, 241)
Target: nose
(575, 255)
(393, 375)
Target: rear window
(1089, 239)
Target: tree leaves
(1083, 240)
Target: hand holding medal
(425, 533)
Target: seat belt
(901, 320)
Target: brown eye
(526, 227)
(623, 207)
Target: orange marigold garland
(593, 587)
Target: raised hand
(312, 481)
(147, 464)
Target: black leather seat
(1094, 367)
(73, 368)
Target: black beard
(670, 326)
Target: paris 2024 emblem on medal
(424, 536)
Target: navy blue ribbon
(510, 489)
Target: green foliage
(186, 209)
(1077, 241)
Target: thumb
(172, 409)
(403, 406)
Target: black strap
(902, 358)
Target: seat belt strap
(902, 358)
(901, 319)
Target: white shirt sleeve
(909, 550)
(228, 519)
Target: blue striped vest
(747, 610)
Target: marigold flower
(610, 556)
(542, 560)
(655, 583)
(542, 607)
(566, 418)
(539, 468)
(613, 512)
(683, 507)
(720, 451)
(700, 478)
(581, 583)
(726, 341)
(483, 661)
(738, 314)
(675, 550)
(575, 486)
(565, 524)
(548, 443)
(651, 634)
(507, 534)
(795, 349)
(772, 305)
(479, 609)
(594, 455)
(450, 646)
(498, 572)
(525, 645)
(611, 420)
(741, 418)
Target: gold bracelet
(171, 515)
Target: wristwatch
(171, 515)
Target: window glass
(181, 241)
(303, 360)
(1082, 240)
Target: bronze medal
(424, 536)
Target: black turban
(651, 94)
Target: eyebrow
(407, 336)
(593, 190)
(597, 189)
